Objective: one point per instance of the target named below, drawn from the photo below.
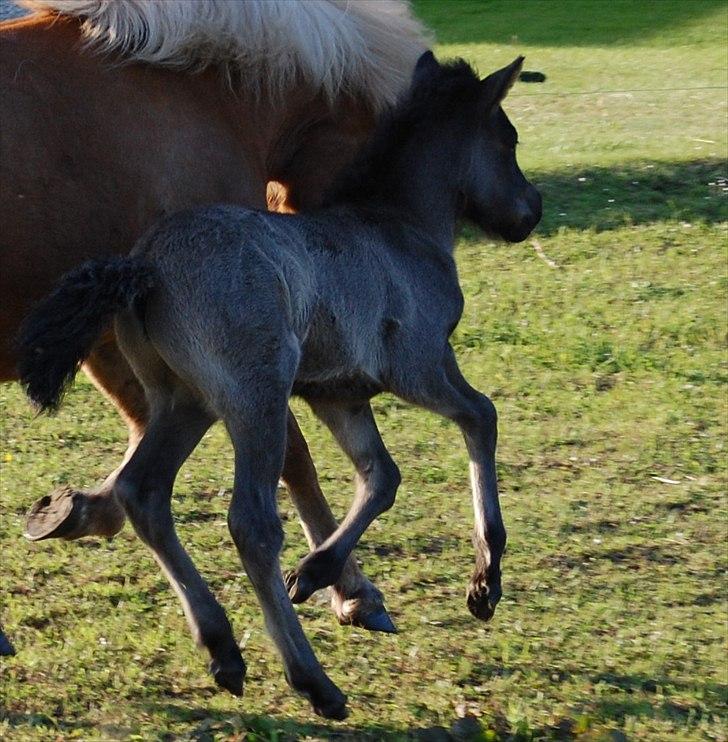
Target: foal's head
(468, 125)
(448, 144)
(492, 189)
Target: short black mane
(454, 85)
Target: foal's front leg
(377, 479)
(450, 395)
(354, 599)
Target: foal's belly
(351, 389)
(336, 367)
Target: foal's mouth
(509, 235)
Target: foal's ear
(495, 87)
(426, 66)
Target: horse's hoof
(70, 514)
(378, 620)
(57, 515)
(482, 600)
(6, 648)
(229, 677)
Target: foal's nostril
(526, 216)
(528, 213)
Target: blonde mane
(366, 48)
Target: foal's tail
(60, 331)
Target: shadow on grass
(607, 198)
(216, 725)
(622, 695)
(210, 725)
(203, 724)
(41, 723)
(566, 23)
(681, 703)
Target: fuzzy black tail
(61, 330)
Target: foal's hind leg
(144, 488)
(256, 530)
(70, 513)
(354, 599)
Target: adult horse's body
(92, 151)
(223, 312)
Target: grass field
(606, 356)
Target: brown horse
(114, 114)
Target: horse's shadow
(211, 725)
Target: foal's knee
(384, 481)
(482, 417)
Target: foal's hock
(224, 312)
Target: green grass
(665, 62)
(609, 371)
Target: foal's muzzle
(526, 217)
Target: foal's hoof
(314, 572)
(378, 620)
(69, 514)
(6, 648)
(230, 676)
(333, 709)
(360, 604)
(482, 600)
(299, 587)
(326, 699)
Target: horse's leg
(256, 530)
(354, 598)
(377, 481)
(144, 488)
(70, 513)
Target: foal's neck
(430, 201)
(421, 185)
